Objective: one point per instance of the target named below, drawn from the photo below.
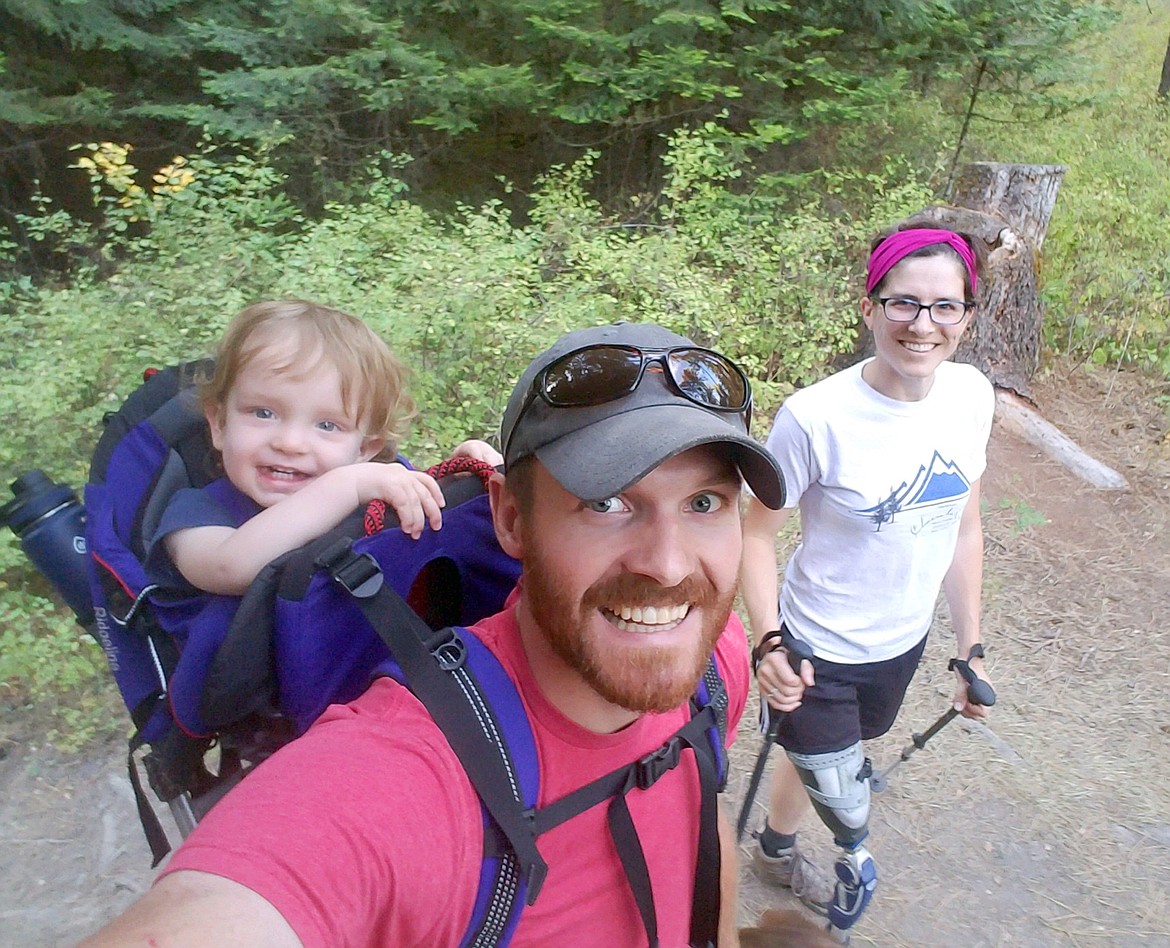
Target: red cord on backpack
(374, 519)
(480, 469)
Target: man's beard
(647, 678)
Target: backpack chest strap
(643, 774)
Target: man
(624, 450)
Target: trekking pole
(798, 652)
(978, 692)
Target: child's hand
(415, 496)
(480, 450)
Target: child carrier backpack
(160, 646)
(337, 594)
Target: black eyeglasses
(942, 312)
(594, 375)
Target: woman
(884, 460)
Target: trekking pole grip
(798, 651)
(978, 690)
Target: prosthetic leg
(838, 785)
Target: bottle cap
(35, 496)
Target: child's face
(279, 431)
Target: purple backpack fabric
(299, 640)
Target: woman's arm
(759, 583)
(759, 588)
(963, 587)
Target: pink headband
(904, 242)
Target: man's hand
(479, 450)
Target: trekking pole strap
(978, 690)
(798, 651)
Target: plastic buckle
(449, 649)
(654, 765)
(359, 573)
(537, 872)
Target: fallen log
(1015, 416)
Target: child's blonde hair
(373, 379)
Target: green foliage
(502, 87)
(1105, 265)
(46, 658)
(1025, 516)
(468, 298)
(70, 63)
(1013, 59)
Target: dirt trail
(1052, 829)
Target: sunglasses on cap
(595, 375)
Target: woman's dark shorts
(849, 703)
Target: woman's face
(907, 354)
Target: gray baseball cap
(597, 451)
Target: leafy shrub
(467, 298)
(1106, 269)
(46, 658)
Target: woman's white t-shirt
(882, 485)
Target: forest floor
(1048, 827)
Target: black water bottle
(50, 522)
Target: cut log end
(1015, 416)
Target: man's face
(632, 592)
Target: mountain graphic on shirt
(939, 482)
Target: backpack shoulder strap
(474, 702)
(704, 733)
(461, 685)
(712, 692)
(500, 893)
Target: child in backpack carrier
(305, 406)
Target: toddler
(302, 401)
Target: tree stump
(1021, 195)
(1005, 337)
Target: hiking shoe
(793, 870)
